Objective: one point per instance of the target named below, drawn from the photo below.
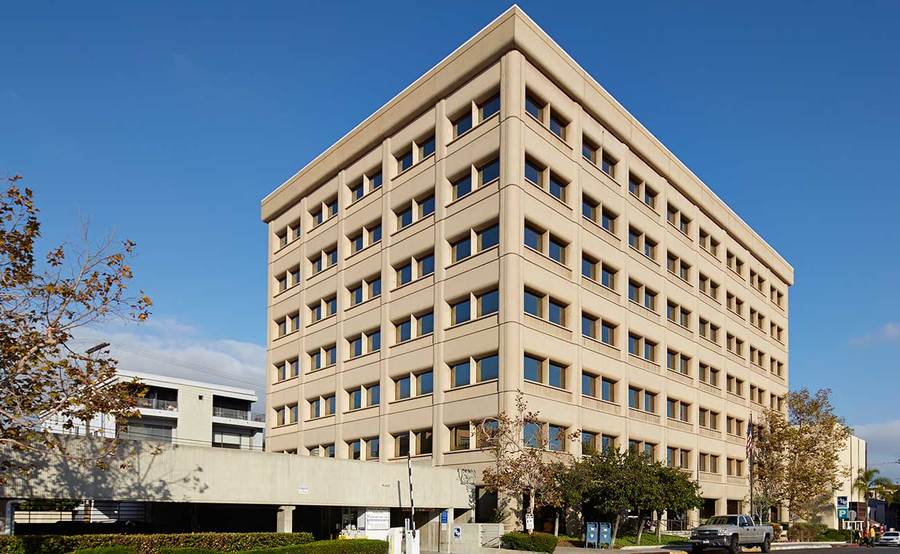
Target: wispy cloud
(883, 443)
(889, 332)
(169, 347)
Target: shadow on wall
(99, 468)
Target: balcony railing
(157, 404)
(232, 413)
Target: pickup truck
(731, 532)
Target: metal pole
(750, 452)
(412, 503)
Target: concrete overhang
(159, 472)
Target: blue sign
(444, 517)
(605, 534)
(843, 514)
(591, 535)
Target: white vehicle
(889, 538)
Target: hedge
(148, 544)
(340, 546)
(535, 542)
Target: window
(416, 268)
(426, 147)
(488, 237)
(401, 445)
(734, 426)
(709, 287)
(557, 312)
(677, 362)
(402, 387)
(487, 368)
(424, 440)
(640, 399)
(709, 463)
(558, 125)
(321, 406)
(416, 210)
(708, 419)
(641, 347)
(734, 304)
(533, 434)
(776, 296)
(461, 186)
(546, 371)
(677, 219)
(488, 107)
(640, 294)
(534, 107)
(556, 438)
(488, 302)
(640, 242)
(373, 448)
(598, 329)
(708, 243)
(589, 150)
(678, 267)
(459, 437)
(589, 442)
(424, 382)
(598, 387)
(678, 314)
(537, 238)
(709, 331)
(460, 373)
(638, 188)
(776, 367)
(734, 345)
(323, 357)
(709, 375)
(364, 290)
(540, 176)
(734, 385)
(462, 123)
(484, 238)
(678, 410)
(734, 467)
(489, 172)
(734, 263)
(757, 357)
(678, 457)
(533, 303)
(323, 308)
(422, 324)
(595, 212)
(365, 343)
(538, 304)
(355, 448)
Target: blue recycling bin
(605, 534)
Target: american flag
(750, 438)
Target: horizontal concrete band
(162, 472)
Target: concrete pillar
(284, 522)
(7, 509)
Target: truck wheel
(766, 545)
(734, 546)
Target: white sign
(303, 489)
(378, 520)
(529, 522)
(457, 533)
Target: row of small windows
(542, 111)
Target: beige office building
(501, 225)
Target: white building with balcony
(183, 411)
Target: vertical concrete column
(440, 439)
(512, 158)
(284, 520)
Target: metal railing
(157, 404)
(231, 413)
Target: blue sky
(167, 123)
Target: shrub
(341, 546)
(776, 530)
(149, 544)
(835, 535)
(106, 550)
(805, 532)
(536, 542)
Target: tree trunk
(556, 524)
(659, 527)
(530, 510)
(615, 531)
(640, 528)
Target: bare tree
(43, 302)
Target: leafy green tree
(870, 484)
(796, 459)
(680, 494)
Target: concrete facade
(186, 412)
(854, 458)
(505, 225)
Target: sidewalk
(668, 548)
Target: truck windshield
(723, 520)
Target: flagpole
(750, 452)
